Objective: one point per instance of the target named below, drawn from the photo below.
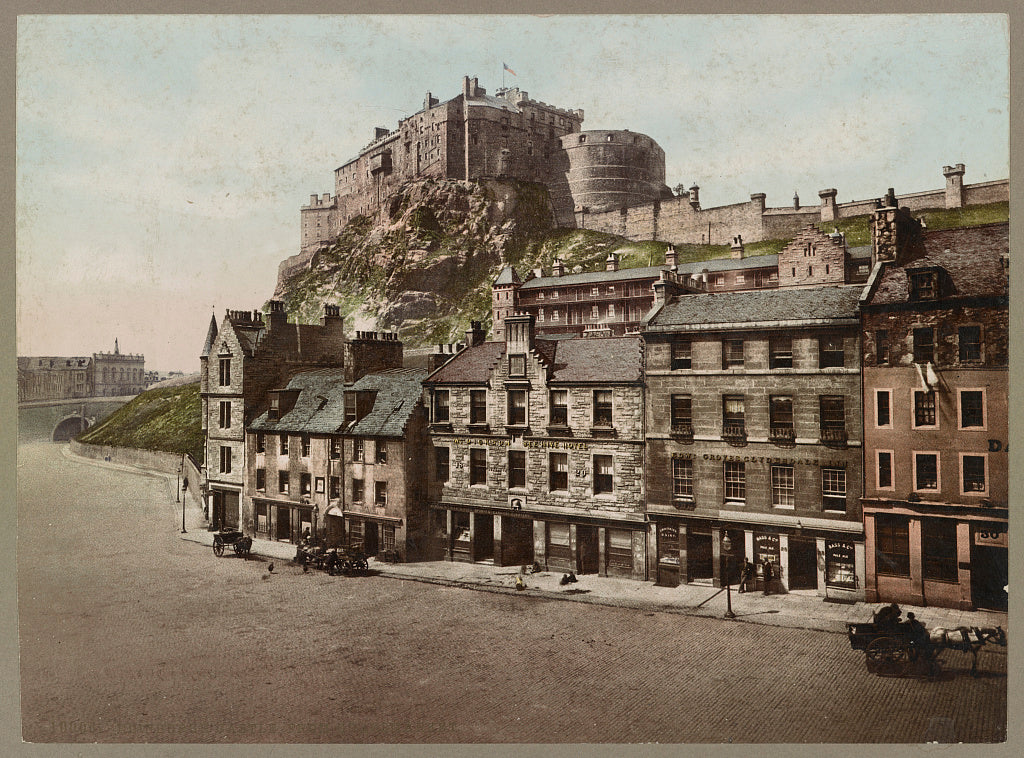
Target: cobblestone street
(130, 634)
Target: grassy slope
(167, 419)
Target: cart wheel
(362, 564)
(886, 656)
(218, 549)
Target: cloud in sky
(162, 160)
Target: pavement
(802, 609)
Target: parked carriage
(238, 541)
(334, 560)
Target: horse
(966, 639)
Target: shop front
(225, 508)
(282, 521)
(989, 566)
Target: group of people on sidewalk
(748, 576)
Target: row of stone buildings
(113, 374)
(847, 425)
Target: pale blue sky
(162, 160)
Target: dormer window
(923, 286)
(274, 411)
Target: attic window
(922, 286)
(583, 138)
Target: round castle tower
(609, 170)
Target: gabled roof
(398, 392)
(736, 309)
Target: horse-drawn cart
(238, 541)
(333, 560)
(888, 650)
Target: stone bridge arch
(70, 426)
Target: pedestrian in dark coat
(746, 575)
(766, 569)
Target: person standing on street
(766, 569)
(746, 575)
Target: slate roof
(971, 256)
(508, 275)
(773, 305)
(730, 264)
(398, 391)
(588, 277)
(584, 359)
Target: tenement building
(753, 429)
(935, 338)
(538, 451)
(342, 461)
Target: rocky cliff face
(424, 265)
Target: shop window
(833, 489)
(619, 550)
(733, 416)
(839, 564)
(972, 409)
(783, 487)
(380, 494)
(283, 444)
(261, 442)
(517, 407)
(225, 372)
(735, 482)
(558, 547)
(938, 550)
(924, 345)
(924, 408)
(305, 484)
(441, 464)
(262, 519)
(603, 408)
(969, 342)
(225, 414)
(926, 471)
(440, 406)
(884, 470)
(517, 365)
(358, 490)
(780, 352)
(282, 482)
(681, 358)
(892, 546)
(732, 354)
(335, 448)
(387, 538)
(381, 451)
(516, 468)
(261, 479)
(477, 466)
(975, 481)
(830, 352)
(305, 445)
(225, 460)
(559, 408)
(603, 474)
(335, 485)
(558, 472)
(682, 479)
(883, 411)
(780, 418)
(357, 450)
(682, 414)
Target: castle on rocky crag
(608, 180)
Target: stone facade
(113, 374)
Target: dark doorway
(483, 537)
(283, 532)
(989, 577)
(700, 558)
(587, 554)
(460, 536)
(803, 564)
(371, 540)
(516, 541)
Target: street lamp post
(727, 549)
(182, 488)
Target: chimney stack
(476, 335)
(611, 263)
(519, 333)
(332, 317)
(558, 268)
(277, 313)
(671, 259)
(737, 247)
(695, 197)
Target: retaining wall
(156, 460)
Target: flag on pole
(505, 66)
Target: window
(830, 352)
(274, 409)
(225, 414)
(882, 347)
(780, 352)
(516, 468)
(681, 354)
(283, 444)
(261, 442)
(922, 286)
(974, 480)
(261, 479)
(282, 482)
(517, 407)
(892, 546)
(595, 312)
(358, 490)
(595, 291)
(442, 464)
(477, 466)
(924, 345)
(335, 488)
(611, 310)
(735, 481)
(733, 412)
(350, 408)
(357, 450)
(305, 445)
(387, 537)
(970, 343)
(603, 471)
(938, 550)
(559, 408)
(558, 471)
(884, 469)
(225, 372)
(833, 489)
(440, 406)
(682, 413)
(883, 414)
(926, 471)
(682, 478)
(732, 354)
(380, 494)
(972, 409)
(783, 487)
(305, 484)
(780, 413)
(225, 460)
(517, 365)
(833, 418)
(602, 408)
(335, 448)
(924, 408)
